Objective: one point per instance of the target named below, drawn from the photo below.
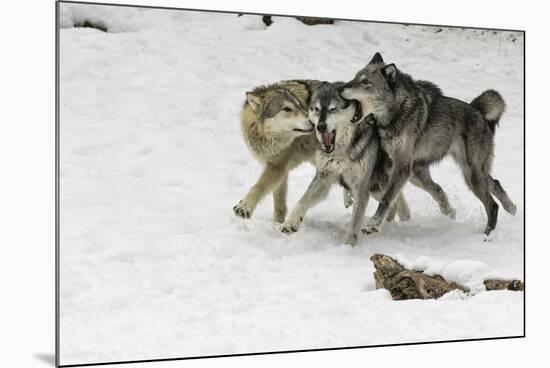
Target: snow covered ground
(154, 264)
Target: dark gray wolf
(419, 126)
(276, 129)
(349, 155)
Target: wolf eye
(287, 109)
(366, 83)
(316, 109)
(332, 109)
(346, 104)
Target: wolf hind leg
(471, 163)
(279, 200)
(377, 194)
(496, 189)
(400, 175)
(402, 207)
(421, 178)
(478, 182)
(399, 208)
(361, 201)
(391, 213)
(269, 179)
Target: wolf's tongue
(327, 138)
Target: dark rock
(267, 20)
(89, 24)
(311, 21)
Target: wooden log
(406, 284)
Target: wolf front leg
(402, 208)
(271, 178)
(317, 190)
(361, 200)
(348, 198)
(401, 172)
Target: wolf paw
(404, 215)
(288, 229)
(291, 225)
(451, 213)
(488, 230)
(511, 209)
(373, 226)
(242, 210)
(351, 239)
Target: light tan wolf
(278, 133)
(277, 130)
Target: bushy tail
(491, 105)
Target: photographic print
(234, 183)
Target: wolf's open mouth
(327, 139)
(358, 112)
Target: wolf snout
(322, 127)
(343, 88)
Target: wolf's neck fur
(407, 94)
(345, 136)
(353, 139)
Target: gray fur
(419, 126)
(352, 160)
(491, 105)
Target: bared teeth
(358, 112)
(327, 139)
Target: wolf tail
(491, 105)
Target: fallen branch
(406, 284)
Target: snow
(154, 264)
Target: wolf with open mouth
(349, 154)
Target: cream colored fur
(272, 142)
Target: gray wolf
(278, 133)
(419, 126)
(349, 156)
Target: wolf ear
(253, 100)
(377, 59)
(390, 72)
